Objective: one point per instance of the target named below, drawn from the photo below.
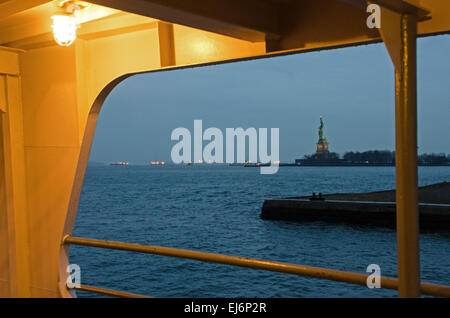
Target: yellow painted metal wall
(14, 268)
(4, 240)
(49, 118)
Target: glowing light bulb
(64, 29)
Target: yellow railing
(308, 271)
(108, 292)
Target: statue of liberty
(322, 144)
(321, 132)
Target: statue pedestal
(322, 148)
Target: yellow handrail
(108, 292)
(309, 271)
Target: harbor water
(216, 208)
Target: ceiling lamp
(65, 24)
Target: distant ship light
(64, 29)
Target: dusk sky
(352, 88)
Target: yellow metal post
(406, 162)
(399, 32)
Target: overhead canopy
(282, 24)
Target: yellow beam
(108, 292)
(10, 7)
(403, 7)
(397, 6)
(119, 23)
(251, 20)
(166, 44)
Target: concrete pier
(432, 216)
(357, 209)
